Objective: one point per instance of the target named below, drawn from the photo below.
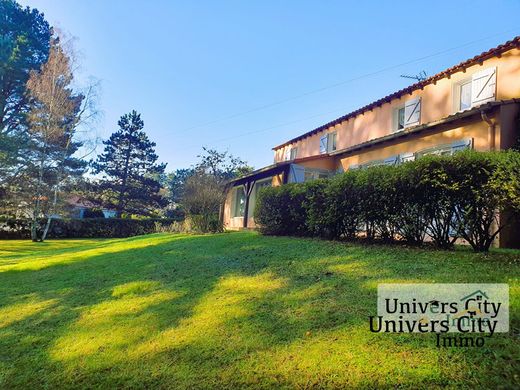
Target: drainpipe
(492, 129)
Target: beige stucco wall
(234, 223)
(437, 102)
(478, 131)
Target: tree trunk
(37, 208)
(119, 209)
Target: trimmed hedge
(437, 197)
(85, 228)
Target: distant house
(472, 105)
(79, 207)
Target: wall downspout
(491, 130)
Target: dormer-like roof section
(479, 59)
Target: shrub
(315, 203)
(377, 197)
(204, 223)
(486, 184)
(443, 197)
(280, 211)
(412, 202)
(83, 228)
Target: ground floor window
(439, 150)
(240, 202)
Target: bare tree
(56, 112)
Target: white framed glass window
(294, 153)
(464, 95)
(331, 142)
(399, 119)
(240, 202)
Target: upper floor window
(465, 95)
(399, 119)
(328, 143)
(332, 141)
(408, 115)
(294, 153)
(478, 89)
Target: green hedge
(441, 198)
(85, 228)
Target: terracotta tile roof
(513, 43)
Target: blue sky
(199, 71)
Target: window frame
(457, 94)
(293, 153)
(332, 140)
(236, 206)
(395, 125)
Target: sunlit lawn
(232, 310)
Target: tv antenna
(419, 77)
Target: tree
(55, 112)
(24, 47)
(129, 182)
(221, 165)
(175, 183)
(203, 191)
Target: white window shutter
(483, 86)
(412, 112)
(405, 157)
(287, 154)
(323, 144)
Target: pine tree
(24, 47)
(129, 182)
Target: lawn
(233, 310)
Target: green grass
(233, 310)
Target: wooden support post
(248, 189)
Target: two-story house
(474, 104)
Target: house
(474, 104)
(79, 207)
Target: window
(478, 89)
(405, 157)
(331, 142)
(323, 144)
(399, 119)
(240, 202)
(287, 154)
(328, 143)
(262, 184)
(465, 95)
(447, 149)
(294, 153)
(316, 173)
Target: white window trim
(395, 119)
(456, 93)
(330, 144)
(235, 213)
(295, 150)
